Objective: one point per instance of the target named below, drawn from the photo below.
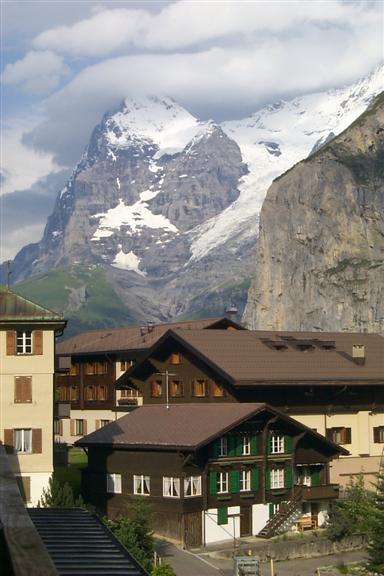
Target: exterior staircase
(285, 517)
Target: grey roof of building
(80, 544)
(183, 426)
(14, 307)
(129, 337)
(247, 357)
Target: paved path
(188, 564)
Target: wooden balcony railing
(324, 492)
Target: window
(192, 486)
(277, 478)
(339, 435)
(104, 423)
(128, 393)
(95, 368)
(175, 388)
(125, 365)
(58, 427)
(74, 394)
(102, 392)
(23, 389)
(141, 485)
(24, 342)
(156, 386)
(171, 487)
(223, 446)
(378, 434)
(199, 388)
(217, 390)
(79, 427)
(74, 370)
(221, 482)
(90, 393)
(175, 358)
(245, 480)
(23, 440)
(114, 483)
(277, 444)
(246, 446)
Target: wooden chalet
(89, 364)
(331, 382)
(211, 472)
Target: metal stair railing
(282, 516)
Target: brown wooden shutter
(84, 427)
(24, 483)
(97, 424)
(37, 341)
(73, 427)
(376, 434)
(11, 343)
(37, 443)
(23, 389)
(348, 436)
(8, 440)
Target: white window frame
(246, 446)
(277, 478)
(223, 448)
(141, 485)
(245, 481)
(114, 483)
(22, 439)
(79, 427)
(222, 482)
(277, 444)
(24, 342)
(192, 486)
(171, 487)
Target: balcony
(325, 492)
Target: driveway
(186, 563)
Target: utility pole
(167, 375)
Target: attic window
(175, 358)
(305, 347)
(279, 347)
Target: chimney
(150, 325)
(231, 312)
(358, 353)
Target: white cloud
(22, 166)
(19, 238)
(38, 72)
(184, 24)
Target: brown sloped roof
(183, 426)
(14, 307)
(247, 357)
(128, 337)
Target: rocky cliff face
(320, 253)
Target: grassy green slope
(60, 290)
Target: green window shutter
(255, 479)
(288, 444)
(239, 445)
(254, 444)
(212, 483)
(231, 446)
(234, 481)
(216, 448)
(288, 477)
(222, 515)
(315, 476)
(271, 510)
(268, 479)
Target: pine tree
(376, 545)
(58, 495)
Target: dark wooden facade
(181, 517)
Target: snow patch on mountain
(292, 128)
(135, 217)
(127, 261)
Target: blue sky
(65, 63)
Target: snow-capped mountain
(170, 204)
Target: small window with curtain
(74, 370)
(114, 483)
(339, 435)
(102, 392)
(141, 485)
(277, 478)
(277, 443)
(22, 440)
(90, 393)
(175, 358)
(217, 390)
(192, 486)
(245, 480)
(378, 434)
(171, 487)
(175, 388)
(221, 482)
(156, 388)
